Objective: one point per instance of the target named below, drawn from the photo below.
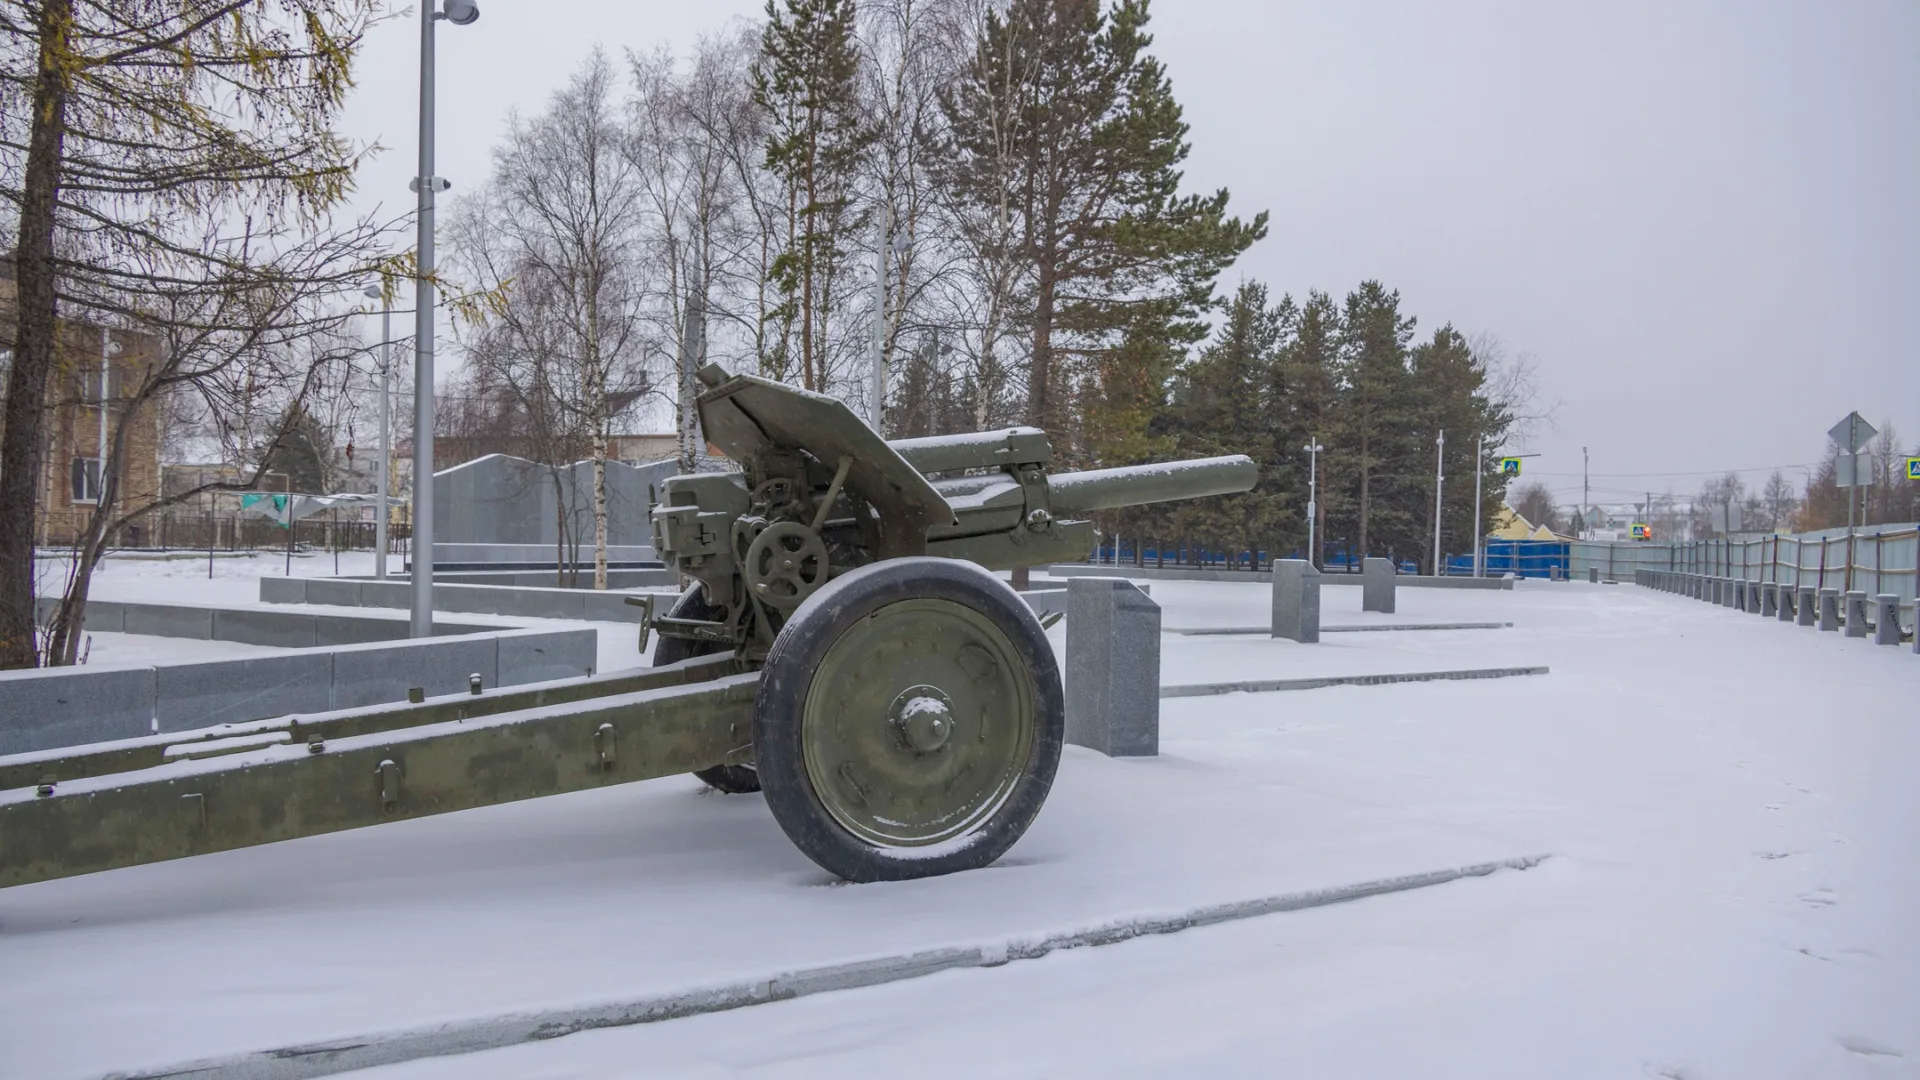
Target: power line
(1697, 472)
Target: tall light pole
(426, 185)
(1313, 449)
(1439, 481)
(1586, 499)
(386, 428)
(1479, 469)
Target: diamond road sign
(1852, 433)
(1510, 466)
(1913, 468)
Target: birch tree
(555, 234)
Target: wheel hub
(923, 716)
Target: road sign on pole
(1855, 470)
(1641, 531)
(1852, 433)
(1510, 466)
(1913, 468)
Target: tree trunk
(20, 458)
(600, 510)
(66, 627)
(1037, 379)
(1366, 494)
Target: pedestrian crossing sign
(1642, 532)
(1913, 468)
(1510, 466)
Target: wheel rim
(918, 723)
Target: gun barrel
(1078, 493)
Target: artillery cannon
(841, 645)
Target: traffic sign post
(1852, 434)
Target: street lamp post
(1439, 481)
(426, 185)
(1479, 467)
(386, 427)
(1313, 449)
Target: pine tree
(1451, 384)
(805, 81)
(1306, 384)
(1063, 106)
(1222, 404)
(1377, 425)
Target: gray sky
(1699, 217)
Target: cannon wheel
(909, 721)
(730, 779)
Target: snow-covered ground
(1730, 803)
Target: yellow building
(1509, 525)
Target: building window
(86, 480)
(90, 386)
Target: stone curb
(1206, 630)
(492, 1033)
(1169, 573)
(1271, 685)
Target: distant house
(1509, 525)
(95, 367)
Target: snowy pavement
(1729, 801)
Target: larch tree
(125, 127)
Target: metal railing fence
(1875, 559)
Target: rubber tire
(728, 779)
(788, 676)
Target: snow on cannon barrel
(840, 644)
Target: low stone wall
(48, 708)
(537, 578)
(249, 623)
(513, 600)
(1170, 573)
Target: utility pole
(1586, 500)
(1479, 535)
(373, 292)
(1313, 449)
(1439, 481)
(426, 185)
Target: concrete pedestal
(1856, 609)
(1886, 628)
(1376, 585)
(1296, 600)
(1113, 668)
(1829, 609)
(1769, 599)
(1807, 606)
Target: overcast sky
(1699, 217)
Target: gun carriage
(841, 644)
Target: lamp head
(460, 12)
(371, 292)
